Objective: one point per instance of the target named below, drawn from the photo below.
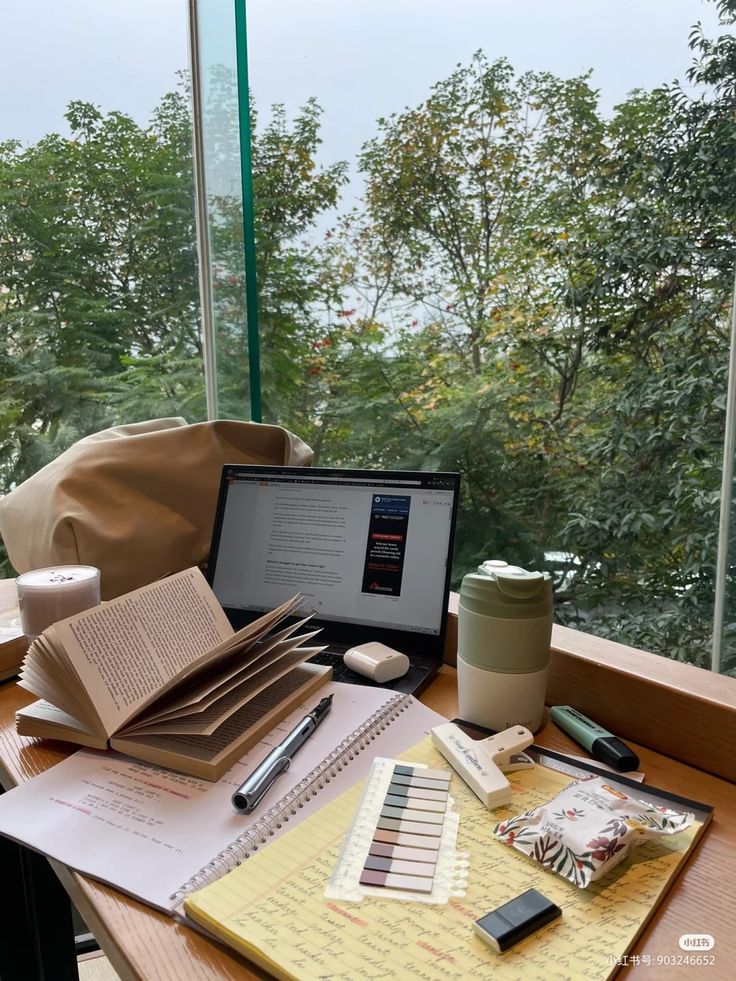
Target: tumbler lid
(498, 589)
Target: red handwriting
(348, 916)
(439, 954)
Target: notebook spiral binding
(277, 816)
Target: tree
(530, 293)
(289, 192)
(97, 257)
(542, 304)
(668, 251)
(99, 302)
(471, 303)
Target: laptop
(370, 551)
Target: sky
(361, 59)
(120, 55)
(367, 58)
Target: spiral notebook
(255, 908)
(159, 835)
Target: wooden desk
(146, 945)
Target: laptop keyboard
(412, 682)
(333, 657)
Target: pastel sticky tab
(389, 837)
(392, 800)
(423, 773)
(383, 864)
(413, 883)
(402, 845)
(425, 855)
(420, 792)
(409, 781)
(408, 814)
(410, 827)
(519, 918)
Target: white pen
(249, 793)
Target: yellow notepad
(273, 910)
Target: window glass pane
(99, 306)
(724, 641)
(496, 238)
(222, 181)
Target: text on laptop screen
(359, 550)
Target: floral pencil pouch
(587, 829)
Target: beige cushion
(137, 501)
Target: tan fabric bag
(137, 501)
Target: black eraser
(520, 917)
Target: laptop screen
(366, 549)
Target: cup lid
(58, 575)
(498, 589)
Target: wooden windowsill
(678, 710)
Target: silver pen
(249, 793)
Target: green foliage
(530, 293)
(294, 284)
(539, 299)
(97, 259)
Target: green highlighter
(599, 742)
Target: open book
(13, 642)
(160, 675)
(13, 646)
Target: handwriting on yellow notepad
(273, 907)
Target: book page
(203, 720)
(48, 672)
(201, 694)
(211, 747)
(258, 907)
(43, 719)
(243, 639)
(147, 830)
(232, 741)
(222, 659)
(127, 650)
(36, 679)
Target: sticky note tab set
(402, 841)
